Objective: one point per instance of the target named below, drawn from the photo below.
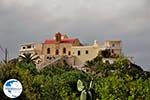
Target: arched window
(57, 52)
(69, 53)
(64, 50)
(48, 50)
(86, 52)
(79, 53)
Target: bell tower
(58, 37)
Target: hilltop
(121, 80)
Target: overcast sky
(25, 21)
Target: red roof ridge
(65, 40)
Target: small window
(69, 53)
(79, 53)
(23, 47)
(48, 50)
(64, 50)
(86, 52)
(29, 46)
(113, 45)
(112, 51)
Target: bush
(118, 81)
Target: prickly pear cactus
(80, 85)
(89, 95)
(91, 83)
(86, 92)
(83, 95)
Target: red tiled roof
(67, 40)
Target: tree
(119, 81)
(28, 61)
(29, 58)
(106, 53)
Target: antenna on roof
(5, 52)
(6, 56)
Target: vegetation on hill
(119, 81)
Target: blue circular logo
(12, 88)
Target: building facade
(62, 46)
